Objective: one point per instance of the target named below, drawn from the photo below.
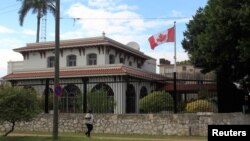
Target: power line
(8, 8)
(8, 11)
(152, 18)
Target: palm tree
(41, 7)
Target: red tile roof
(118, 70)
(63, 44)
(190, 87)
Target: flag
(162, 37)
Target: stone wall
(162, 124)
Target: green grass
(96, 137)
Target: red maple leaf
(161, 38)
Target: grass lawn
(96, 137)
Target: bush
(100, 102)
(200, 106)
(17, 104)
(156, 101)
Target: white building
(86, 65)
(183, 71)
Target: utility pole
(56, 80)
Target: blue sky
(121, 20)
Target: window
(184, 68)
(130, 63)
(122, 60)
(92, 59)
(111, 59)
(139, 65)
(71, 60)
(169, 70)
(51, 62)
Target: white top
(89, 118)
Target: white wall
(149, 65)
(36, 62)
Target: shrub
(100, 102)
(156, 101)
(17, 104)
(200, 106)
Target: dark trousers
(90, 128)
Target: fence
(126, 94)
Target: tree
(17, 104)
(41, 7)
(218, 39)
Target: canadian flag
(162, 37)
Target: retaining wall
(161, 124)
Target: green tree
(99, 101)
(17, 104)
(218, 39)
(156, 101)
(41, 7)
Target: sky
(121, 20)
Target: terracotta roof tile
(190, 87)
(120, 70)
(63, 44)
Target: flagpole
(175, 93)
(174, 47)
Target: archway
(143, 92)
(130, 99)
(47, 100)
(105, 87)
(71, 99)
(101, 99)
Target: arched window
(92, 59)
(122, 60)
(130, 99)
(101, 99)
(111, 59)
(71, 60)
(143, 92)
(71, 99)
(51, 62)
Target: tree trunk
(12, 128)
(38, 26)
(229, 98)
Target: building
(190, 82)
(1, 81)
(86, 65)
(183, 71)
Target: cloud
(29, 32)
(10, 43)
(120, 22)
(11, 56)
(94, 21)
(175, 13)
(97, 17)
(4, 29)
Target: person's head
(90, 111)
